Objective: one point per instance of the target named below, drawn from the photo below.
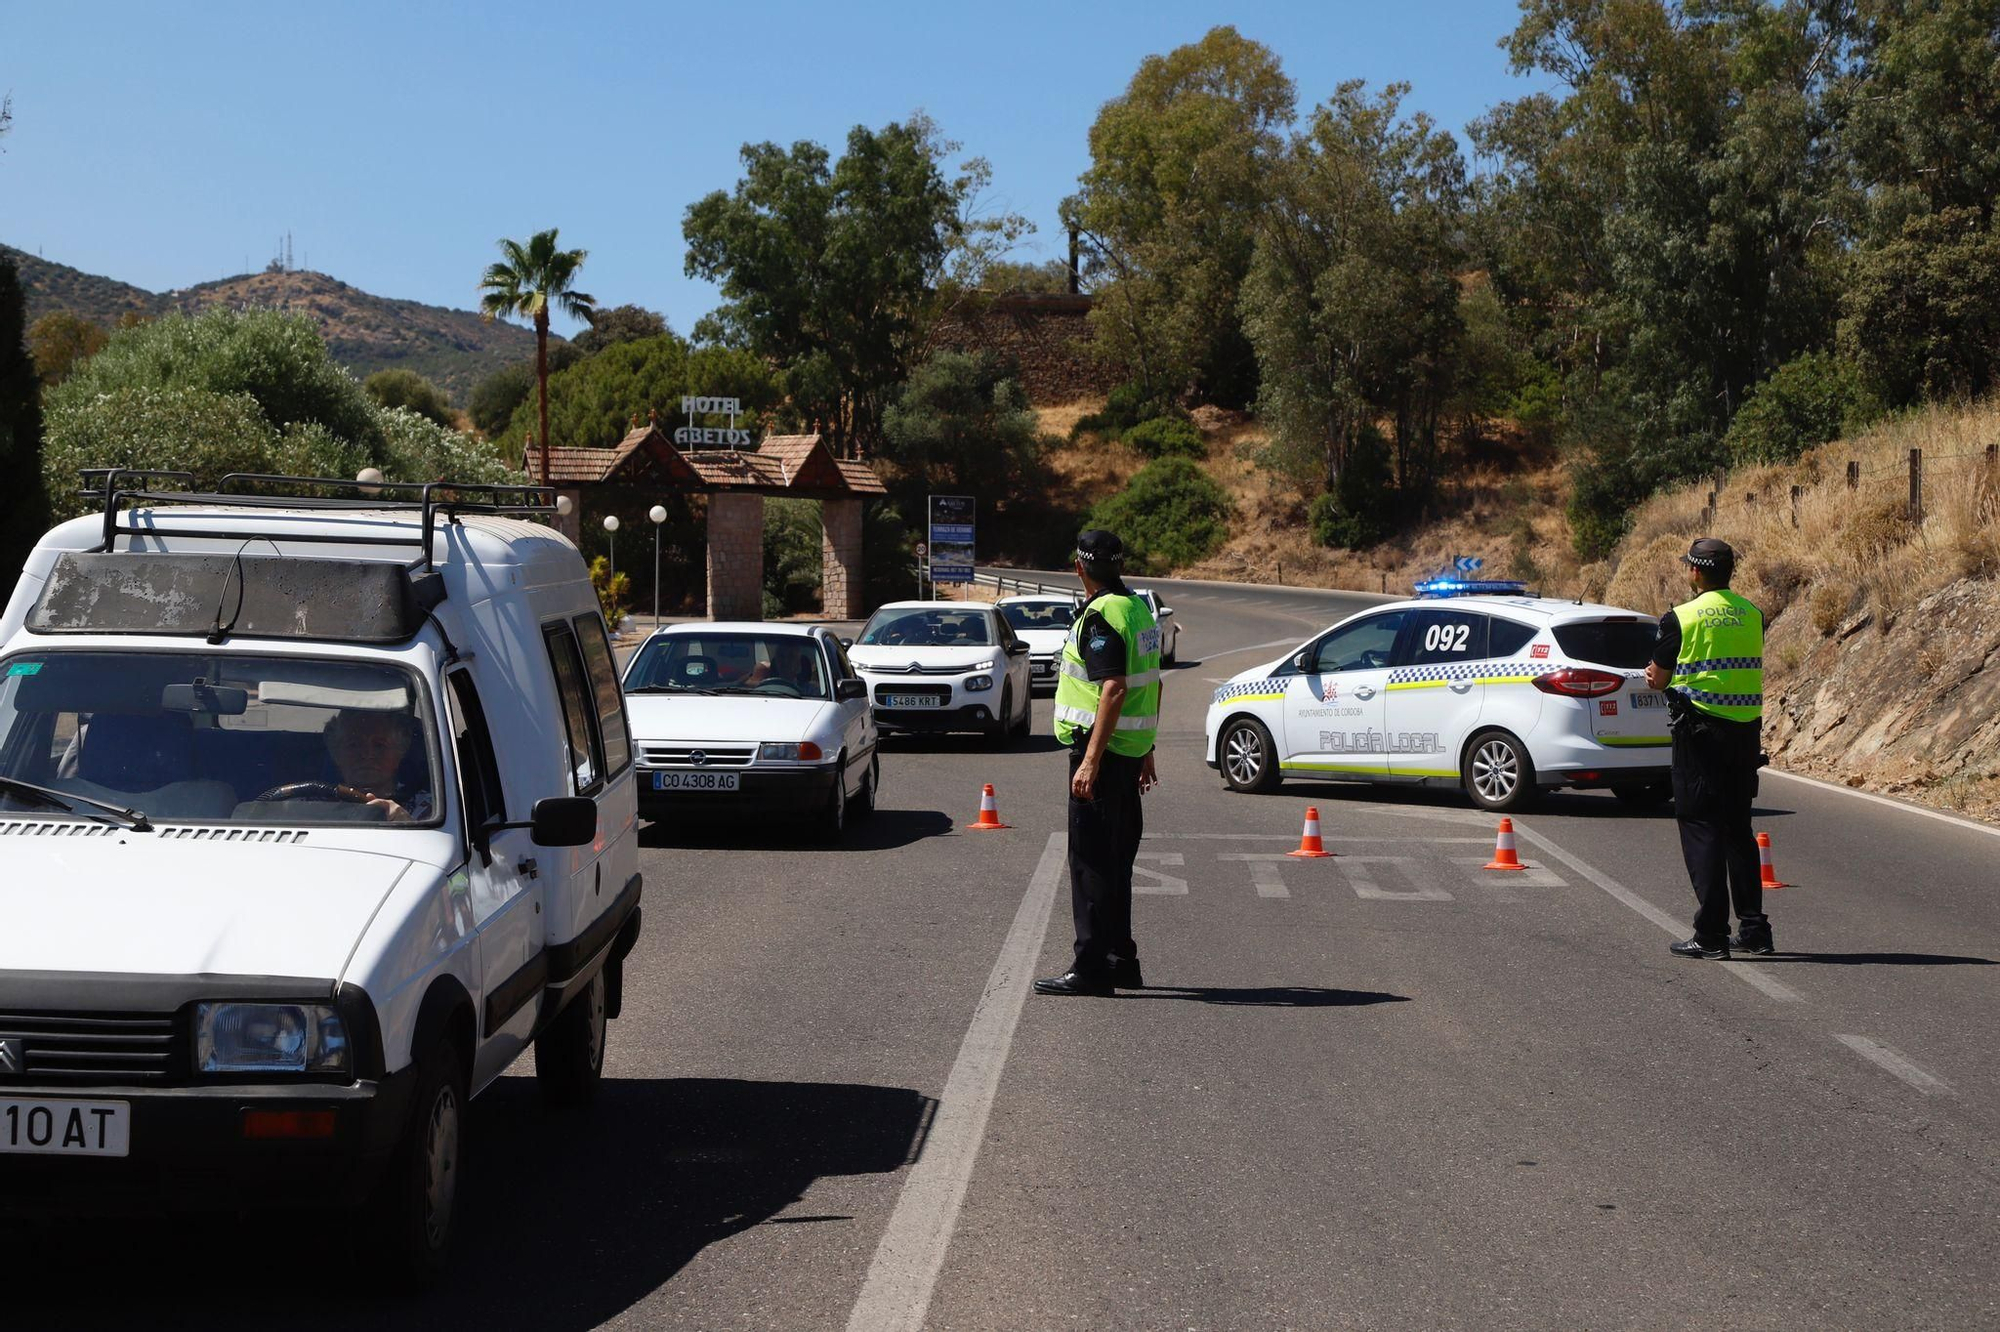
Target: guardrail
(1021, 586)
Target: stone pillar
(735, 556)
(840, 560)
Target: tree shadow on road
(1880, 959)
(566, 1221)
(1267, 996)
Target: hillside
(453, 348)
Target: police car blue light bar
(1445, 585)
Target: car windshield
(926, 628)
(1040, 614)
(768, 665)
(1625, 643)
(223, 737)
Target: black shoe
(1760, 944)
(1695, 948)
(1125, 974)
(1074, 982)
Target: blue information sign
(953, 525)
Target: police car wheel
(1249, 760)
(1499, 775)
(1644, 794)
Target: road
(1381, 1091)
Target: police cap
(1095, 546)
(1711, 554)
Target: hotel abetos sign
(692, 436)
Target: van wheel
(569, 1055)
(415, 1206)
(1499, 775)
(1249, 759)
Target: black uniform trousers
(1715, 784)
(1104, 834)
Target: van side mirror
(563, 821)
(847, 690)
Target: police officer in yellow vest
(1107, 713)
(1710, 660)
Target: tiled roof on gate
(781, 463)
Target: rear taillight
(1576, 682)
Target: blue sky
(166, 145)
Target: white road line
(1776, 989)
(1883, 1057)
(1870, 796)
(1264, 873)
(1291, 837)
(1254, 647)
(897, 1293)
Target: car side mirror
(564, 821)
(1303, 662)
(847, 690)
(847, 642)
(1016, 648)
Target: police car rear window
(1623, 643)
(1509, 637)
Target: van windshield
(225, 738)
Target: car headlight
(792, 751)
(978, 684)
(986, 665)
(271, 1038)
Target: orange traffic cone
(1503, 849)
(989, 813)
(1767, 873)
(1310, 847)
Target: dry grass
(1834, 549)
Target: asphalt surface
(1384, 1090)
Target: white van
(316, 809)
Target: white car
(945, 666)
(316, 815)
(1163, 615)
(1502, 695)
(1042, 620)
(751, 717)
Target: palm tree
(533, 276)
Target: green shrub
(1167, 436)
(1172, 514)
(408, 389)
(1127, 406)
(1806, 402)
(792, 544)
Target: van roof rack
(260, 490)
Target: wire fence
(1910, 477)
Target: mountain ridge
(455, 349)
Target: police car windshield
(926, 628)
(1625, 643)
(224, 738)
(1040, 614)
(770, 665)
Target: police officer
(1710, 660)
(1107, 714)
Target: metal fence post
(1853, 474)
(1796, 492)
(1916, 485)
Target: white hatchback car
(1042, 620)
(1502, 695)
(751, 717)
(945, 666)
(1170, 628)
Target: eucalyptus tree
(532, 278)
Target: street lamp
(658, 514)
(611, 526)
(563, 506)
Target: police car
(1470, 684)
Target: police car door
(1334, 703)
(1435, 692)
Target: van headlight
(270, 1038)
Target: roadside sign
(953, 527)
(1470, 563)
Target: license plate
(1045, 668)
(695, 781)
(1649, 700)
(66, 1128)
(910, 701)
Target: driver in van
(367, 748)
